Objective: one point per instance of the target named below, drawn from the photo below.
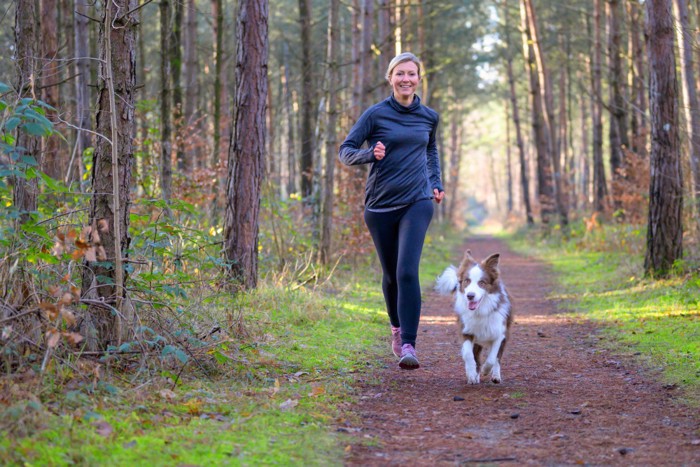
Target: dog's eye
(482, 283)
(467, 281)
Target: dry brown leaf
(76, 292)
(73, 338)
(54, 290)
(68, 316)
(50, 310)
(103, 225)
(66, 299)
(52, 338)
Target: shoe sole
(409, 363)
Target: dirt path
(562, 400)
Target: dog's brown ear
(468, 255)
(492, 261)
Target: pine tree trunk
(25, 191)
(618, 114)
(545, 182)
(53, 159)
(82, 91)
(524, 179)
(175, 57)
(166, 168)
(306, 167)
(333, 59)
(218, 13)
(191, 87)
(690, 99)
(548, 116)
(247, 149)
(600, 190)
(103, 281)
(664, 231)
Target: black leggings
(398, 237)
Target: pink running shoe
(396, 341)
(409, 360)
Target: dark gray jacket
(411, 168)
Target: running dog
(485, 314)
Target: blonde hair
(402, 58)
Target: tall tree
(690, 97)
(103, 280)
(175, 58)
(664, 229)
(638, 117)
(549, 118)
(545, 183)
(218, 12)
(618, 113)
(306, 167)
(600, 190)
(247, 148)
(52, 157)
(332, 57)
(191, 87)
(82, 80)
(28, 147)
(166, 167)
(524, 179)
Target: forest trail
(563, 400)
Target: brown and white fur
(485, 314)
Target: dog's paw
(486, 369)
(473, 378)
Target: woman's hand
(379, 151)
(439, 195)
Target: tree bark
(247, 148)
(524, 179)
(166, 167)
(618, 113)
(664, 229)
(82, 91)
(190, 159)
(24, 190)
(545, 183)
(54, 162)
(306, 168)
(175, 58)
(549, 119)
(103, 281)
(217, 11)
(600, 190)
(333, 57)
(690, 98)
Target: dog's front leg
(492, 365)
(469, 362)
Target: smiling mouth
(473, 304)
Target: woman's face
(404, 81)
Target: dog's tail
(447, 282)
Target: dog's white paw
(472, 378)
(496, 375)
(486, 369)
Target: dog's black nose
(470, 296)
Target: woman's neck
(405, 101)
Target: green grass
(273, 394)
(656, 321)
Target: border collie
(485, 314)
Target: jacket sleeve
(351, 152)
(434, 160)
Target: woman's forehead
(406, 66)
